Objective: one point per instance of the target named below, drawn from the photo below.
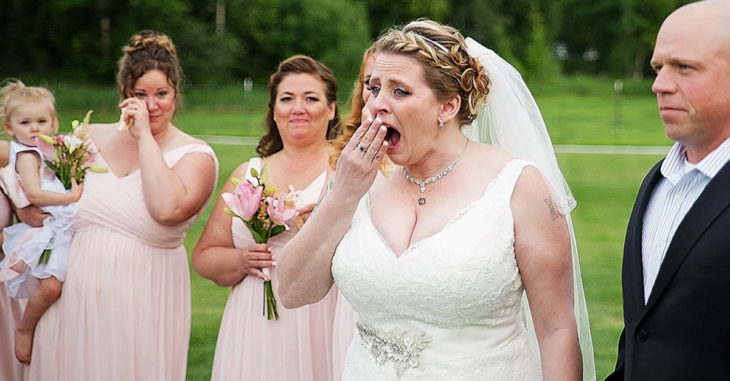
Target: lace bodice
(452, 299)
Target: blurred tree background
(226, 40)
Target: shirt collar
(673, 167)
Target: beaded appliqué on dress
(401, 347)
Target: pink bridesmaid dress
(124, 313)
(298, 346)
(11, 310)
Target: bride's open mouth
(392, 136)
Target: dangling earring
(441, 124)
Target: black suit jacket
(683, 331)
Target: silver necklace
(433, 179)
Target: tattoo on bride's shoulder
(551, 208)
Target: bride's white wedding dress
(448, 307)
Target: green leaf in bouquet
(258, 237)
(46, 138)
(51, 165)
(277, 229)
(229, 212)
(87, 117)
(80, 176)
(45, 256)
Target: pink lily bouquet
(70, 155)
(265, 213)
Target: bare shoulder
(483, 162)
(486, 154)
(28, 155)
(240, 171)
(532, 180)
(531, 188)
(534, 205)
(183, 138)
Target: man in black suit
(676, 265)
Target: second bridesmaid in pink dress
(302, 116)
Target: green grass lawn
(577, 111)
(605, 187)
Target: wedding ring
(362, 147)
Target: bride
(436, 259)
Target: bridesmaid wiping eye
(125, 309)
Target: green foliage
(388, 13)
(206, 57)
(622, 33)
(272, 30)
(486, 22)
(538, 60)
(593, 28)
(82, 39)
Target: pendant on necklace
(438, 176)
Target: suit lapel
(712, 202)
(634, 242)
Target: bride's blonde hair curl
(448, 68)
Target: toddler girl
(36, 258)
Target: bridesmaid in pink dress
(125, 309)
(11, 310)
(298, 346)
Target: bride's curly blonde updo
(145, 51)
(448, 68)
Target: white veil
(512, 121)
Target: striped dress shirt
(677, 191)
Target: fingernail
(370, 119)
(377, 118)
(385, 143)
(273, 263)
(383, 128)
